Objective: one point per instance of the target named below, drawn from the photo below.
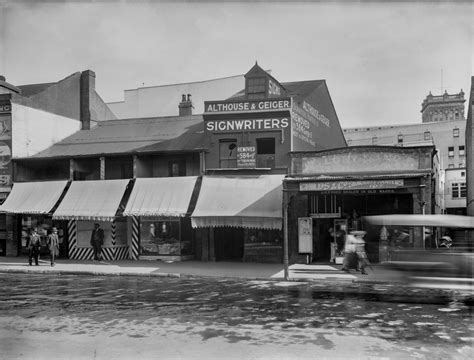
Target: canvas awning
(34, 197)
(169, 196)
(92, 200)
(245, 201)
(441, 220)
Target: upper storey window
(256, 88)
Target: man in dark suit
(97, 240)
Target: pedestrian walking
(53, 245)
(359, 243)
(97, 240)
(350, 256)
(33, 245)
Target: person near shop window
(33, 245)
(97, 240)
(53, 245)
(360, 250)
(350, 257)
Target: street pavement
(327, 276)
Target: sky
(379, 59)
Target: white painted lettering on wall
(302, 129)
(273, 89)
(244, 106)
(313, 112)
(246, 124)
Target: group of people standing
(34, 246)
(355, 256)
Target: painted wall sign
(247, 124)
(5, 150)
(273, 88)
(351, 185)
(5, 108)
(302, 129)
(213, 107)
(316, 114)
(246, 157)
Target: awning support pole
(285, 235)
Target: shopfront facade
(251, 135)
(333, 190)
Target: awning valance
(92, 200)
(169, 196)
(34, 197)
(245, 201)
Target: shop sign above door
(226, 107)
(351, 185)
(247, 125)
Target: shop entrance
(229, 244)
(335, 215)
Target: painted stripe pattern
(134, 246)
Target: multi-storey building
(443, 124)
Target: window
(451, 151)
(427, 135)
(228, 153)
(458, 190)
(463, 173)
(400, 138)
(266, 153)
(374, 140)
(256, 88)
(177, 168)
(461, 150)
(461, 165)
(455, 132)
(451, 166)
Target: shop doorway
(229, 244)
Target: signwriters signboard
(246, 157)
(226, 107)
(351, 185)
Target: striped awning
(92, 200)
(34, 197)
(168, 196)
(244, 201)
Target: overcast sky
(379, 59)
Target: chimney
(87, 94)
(186, 105)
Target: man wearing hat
(97, 240)
(53, 244)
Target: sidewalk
(323, 277)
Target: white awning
(34, 197)
(92, 200)
(169, 196)
(244, 201)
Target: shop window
(256, 88)
(159, 236)
(400, 138)
(427, 135)
(266, 153)
(228, 153)
(177, 168)
(451, 151)
(461, 150)
(455, 132)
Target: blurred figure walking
(53, 245)
(33, 245)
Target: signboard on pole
(305, 235)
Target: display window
(43, 225)
(162, 236)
